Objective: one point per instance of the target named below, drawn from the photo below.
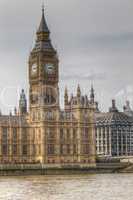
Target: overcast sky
(94, 39)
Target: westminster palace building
(44, 133)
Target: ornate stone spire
(10, 114)
(15, 111)
(78, 91)
(92, 95)
(97, 107)
(23, 103)
(66, 96)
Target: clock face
(50, 69)
(34, 69)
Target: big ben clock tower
(43, 74)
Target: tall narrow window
(24, 135)
(61, 149)
(50, 133)
(74, 134)
(68, 134)
(24, 150)
(4, 149)
(14, 135)
(4, 141)
(14, 149)
(50, 149)
(61, 134)
(4, 135)
(85, 149)
(68, 148)
(85, 134)
(74, 148)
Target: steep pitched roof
(113, 118)
(43, 27)
(43, 42)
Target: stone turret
(113, 108)
(22, 103)
(78, 91)
(15, 111)
(127, 109)
(97, 107)
(92, 95)
(66, 97)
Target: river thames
(84, 187)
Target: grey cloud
(88, 77)
(121, 42)
(94, 35)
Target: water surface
(84, 187)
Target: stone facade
(46, 134)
